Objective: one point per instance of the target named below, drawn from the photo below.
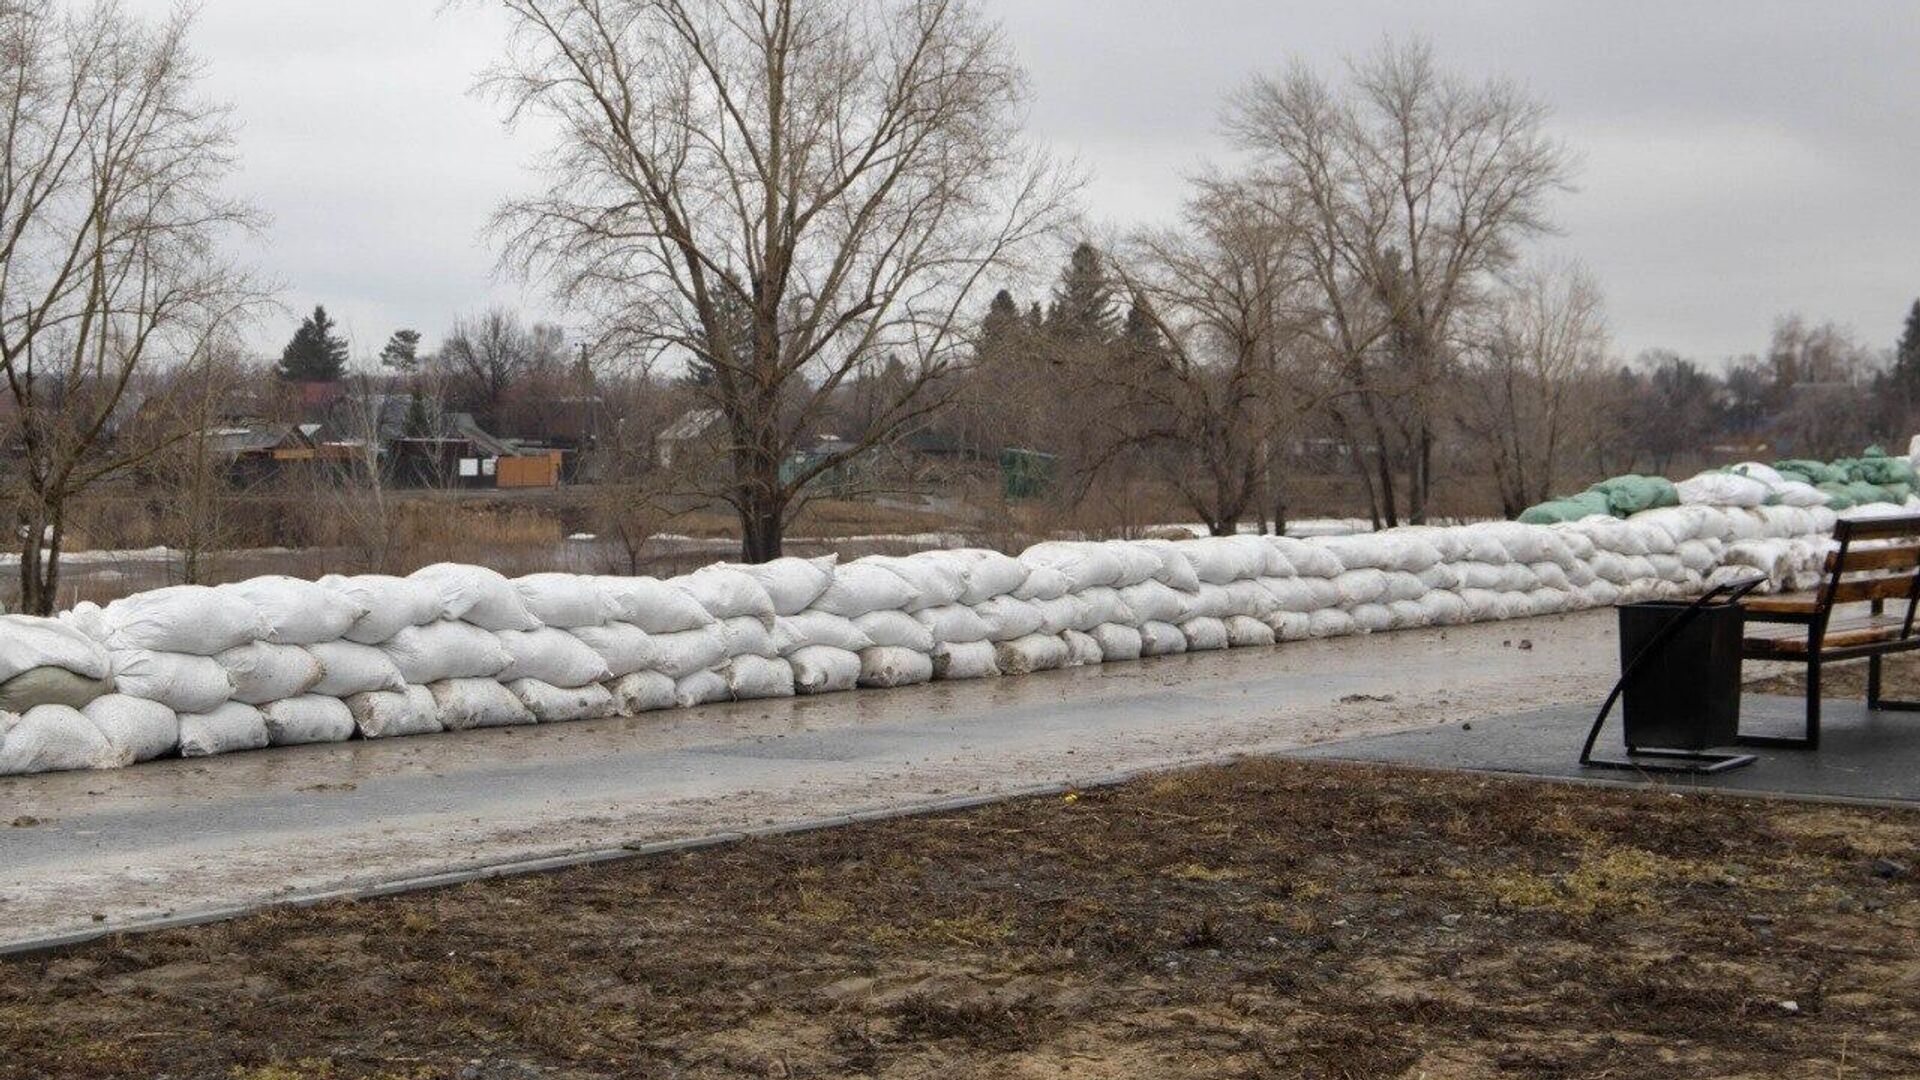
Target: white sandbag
(936, 577)
(1086, 565)
(190, 619)
(1105, 606)
(391, 604)
(819, 669)
(1444, 608)
(796, 632)
(1204, 635)
(262, 672)
(1403, 585)
(1161, 639)
(51, 738)
(1289, 625)
(465, 704)
(1008, 618)
(653, 606)
(685, 654)
(1294, 594)
(446, 650)
(727, 593)
(746, 635)
(1441, 576)
(1485, 605)
(753, 678)
(567, 601)
(1044, 583)
(1799, 493)
(550, 656)
(229, 729)
(183, 683)
(895, 630)
(643, 692)
(792, 584)
(1408, 614)
(953, 624)
(622, 646)
(311, 719)
(1245, 632)
(988, 574)
(552, 704)
(27, 643)
(1210, 601)
(1722, 489)
(1331, 622)
(1371, 618)
(348, 668)
(1034, 652)
(701, 688)
(1357, 587)
(1151, 601)
(1082, 649)
(477, 595)
(965, 660)
(886, 666)
(1176, 570)
(50, 686)
(1548, 575)
(136, 730)
(387, 714)
(1064, 613)
(300, 612)
(1219, 560)
(1308, 558)
(860, 587)
(1117, 641)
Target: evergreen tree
(1000, 330)
(1140, 333)
(1906, 355)
(1083, 303)
(402, 352)
(316, 353)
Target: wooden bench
(1877, 561)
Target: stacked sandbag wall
(278, 661)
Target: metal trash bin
(1679, 684)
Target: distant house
(697, 431)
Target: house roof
(692, 425)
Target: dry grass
(1266, 920)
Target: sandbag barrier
(198, 671)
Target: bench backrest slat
(1877, 573)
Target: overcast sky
(1738, 160)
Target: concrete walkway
(99, 851)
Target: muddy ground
(1269, 919)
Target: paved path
(176, 838)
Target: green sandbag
(1840, 496)
(50, 686)
(1863, 493)
(1813, 472)
(1630, 494)
(1586, 504)
(1880, 469)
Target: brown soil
(1265, 920)
(1900, 680)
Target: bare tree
(110, 215)
(193, 483)
(779, 191)
(483, 358)
(1531, 379)
(1419, 186)
(1206, 376)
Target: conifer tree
(316, 353)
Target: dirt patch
(1271, 919)
(1900, 680)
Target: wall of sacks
(199, 671)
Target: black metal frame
(1816, 623)
(1660, 759)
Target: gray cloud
(1740, 160)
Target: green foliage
(316, 353)
(402, 351)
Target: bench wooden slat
(1854, 590)
(1900, 557)
(1879, 528)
